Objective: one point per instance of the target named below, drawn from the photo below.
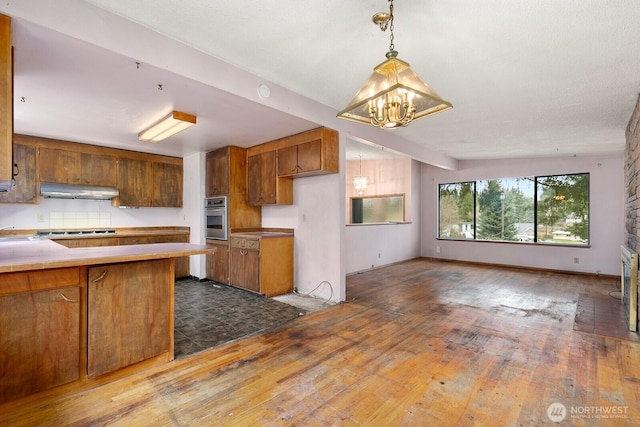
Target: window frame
(536, 232)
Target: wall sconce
(168, 126)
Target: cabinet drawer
(243, 242)
(38, 279)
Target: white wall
(369, 246)
(606, 215)
(316, 218)
(193, 208)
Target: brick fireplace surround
(632, 180)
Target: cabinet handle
(67, 299)
(243, 252)
(100, 277)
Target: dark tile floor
(602, 315)
(208, 314)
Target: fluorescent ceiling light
(168, 126)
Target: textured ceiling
(525, 78)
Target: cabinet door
(167, 185)
(288, 161)
(300, 159)
(98, 170)
(245, 269)
(309, 156)
(39, 341)
(134, 182)
(218, 263)
(262, 179)
(217, 172)
(25, 188)
(128, 314)
(59, 166)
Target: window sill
(558, 245)
(378, 223)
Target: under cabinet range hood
(69, 191)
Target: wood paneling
(6, 100)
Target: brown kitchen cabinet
(40, 324)
(262, 262)
(6, 100)
(167, 185)
(181, 269)
(130, 314)
(218, 262)
(87, 242)
(218, 166)
(308, 153)
(67, 166)
(24, 190)
(135, 182)
(264, 187)
(148, 183)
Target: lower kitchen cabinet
(130, 314)
(40, 336)
(181, 268)
(218, 262)
(262, 262)
(245, 264)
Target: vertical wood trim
(6, 100)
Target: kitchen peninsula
(79, 314)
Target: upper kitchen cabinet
(219, 164)
(6, 101)
(24, 157)
(149, 181)
(71, 166)
(308, 153)
(264, 187)
(167, 184)
(135, 183)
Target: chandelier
(394, 95)
(360, 182)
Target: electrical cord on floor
(310, 293)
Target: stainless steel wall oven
(215, 216)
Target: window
(551, 209)
(377, 209)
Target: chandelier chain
(391, 45)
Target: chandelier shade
(394, 95)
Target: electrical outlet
(576, 260)
(378, 255)
(40, 217)
(438, 249)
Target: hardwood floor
(418, 343)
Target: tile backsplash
(79, 220)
